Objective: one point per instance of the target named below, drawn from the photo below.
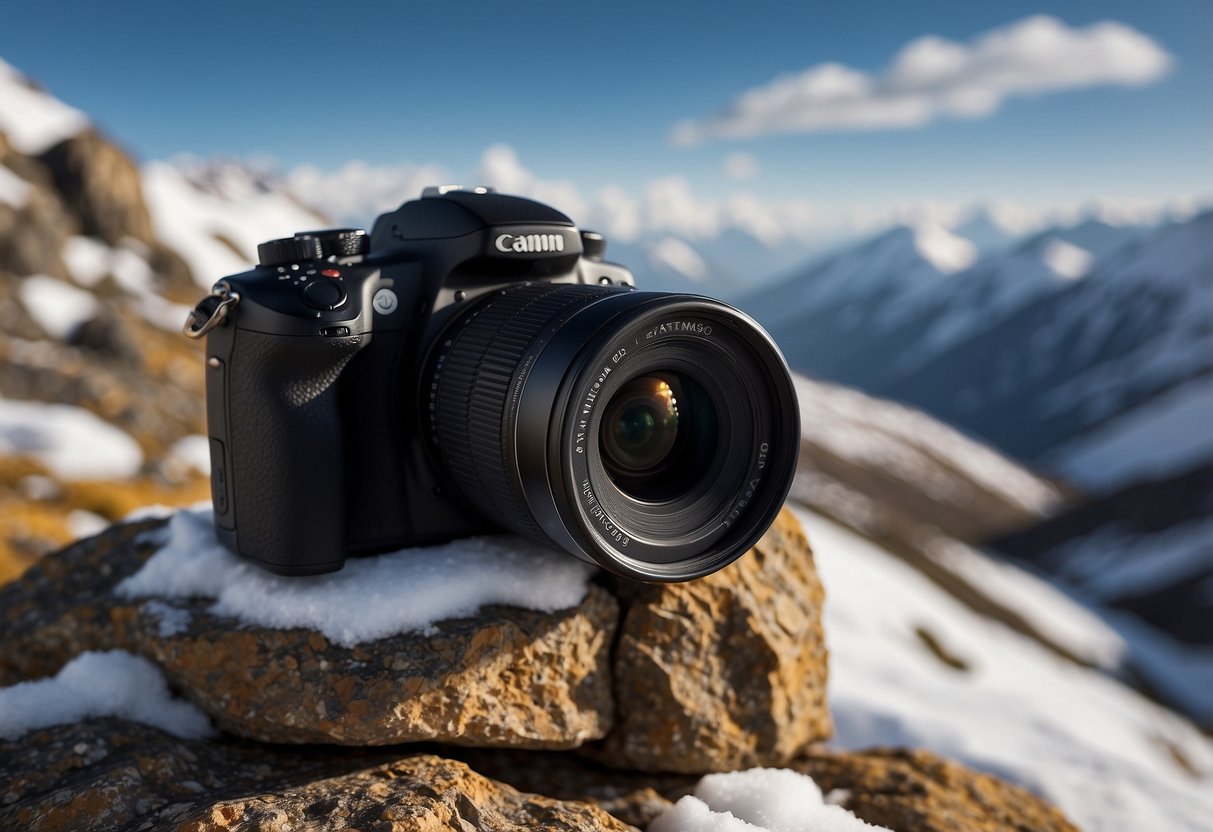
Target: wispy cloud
(933, 78)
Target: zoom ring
(471, 396)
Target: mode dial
(340, 242)
(288, 250)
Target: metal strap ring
(199, 323)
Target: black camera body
(441, 377)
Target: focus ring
(471, 395)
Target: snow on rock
(371, 597)
(70, 441)
(215, 217)
(58, 307)
(1108, 757)
(757, 800)
(1166, 435)
(14, 191)
(113, 683)
(32, 120)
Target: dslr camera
(473, 365)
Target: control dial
(593, 245)
(288, 250)
(339, 242)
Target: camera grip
(284, 430)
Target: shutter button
(323, 295)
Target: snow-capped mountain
(1030, 347)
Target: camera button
(323, 295)
(385, 301)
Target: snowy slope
(1108, 757)
(32, 120)
(214, 215)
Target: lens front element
(658, 436)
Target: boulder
(505, 677)
(108, 774)
(726, 672)
(912, 790)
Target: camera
(474, 365)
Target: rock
(103, 187)
(507, 677)
(727, 672)
(911, 790)
(109, 774)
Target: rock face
(726, 672)
(114, 775)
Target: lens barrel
(653, 434)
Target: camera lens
(653, 434)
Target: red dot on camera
(331, 273)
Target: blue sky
(592, 92)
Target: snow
(1103, 753)
(58, 307)
(674, 254)
(89, 260)
(113, 683)
(1066, 259)
(69, 441)
(1166, 435)
(1052, 613)
(371, 597)
(83, 523)
(194, 211)
(191, 453)
(33, 121)
(944, 250)
(14, 191)
(757, 800)
(920, 449)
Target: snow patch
(672, 253)
(14, 191)
(191, 453)
(58, 307)
(370, 598)
(757, 800)
(1066, 259)
(93, 684)
(944, 250)
(83, 523)
(32, 120)
(70, 441)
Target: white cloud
(932, 78)
(741, 166)
(357, 192)
(670, 205)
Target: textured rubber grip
(284, 428)
(472, 395)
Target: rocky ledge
(612, 704)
